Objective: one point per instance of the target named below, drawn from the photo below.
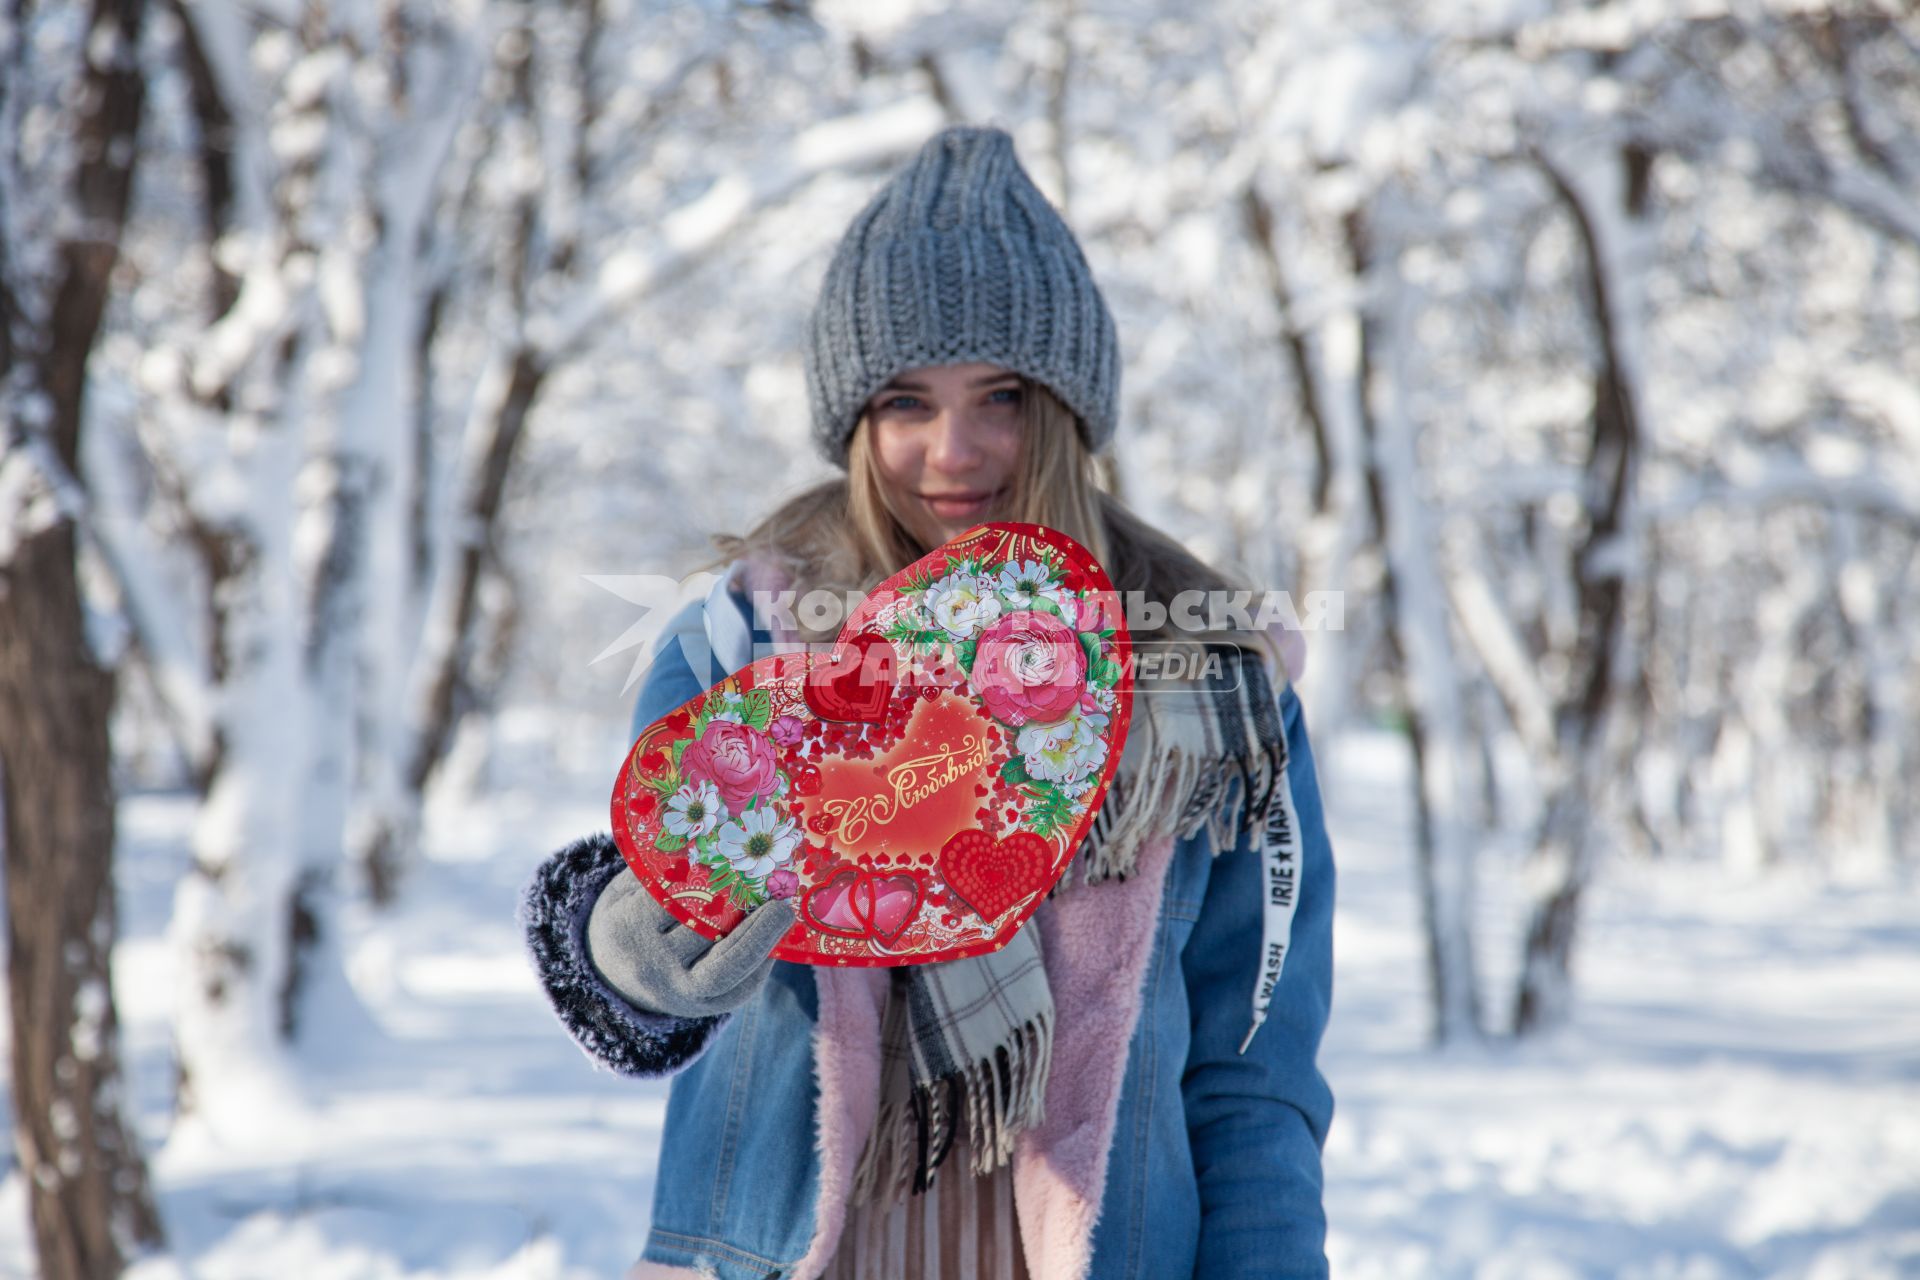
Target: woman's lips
(958, 506)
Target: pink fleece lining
(1096, 940)
(846, 1065)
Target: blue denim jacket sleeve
(1257, 1122)
(669, 682)
(614, 1032)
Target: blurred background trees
(1575, 344)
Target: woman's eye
(910, 404)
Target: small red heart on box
(959, 736)
(829, 905)
(991, 875)
(856, 683)
(858, 904)
(890, 902)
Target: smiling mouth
(961, 499)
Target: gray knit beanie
(959, 258)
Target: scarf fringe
(997, 1097)
(1193, 755)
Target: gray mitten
(662, 966)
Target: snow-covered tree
(386, 229)
(71, 98)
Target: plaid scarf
(970, 1040)
(963, 1041)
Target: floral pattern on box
(919, 788)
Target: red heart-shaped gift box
(917, 789)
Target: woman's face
(947, 440)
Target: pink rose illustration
(737, 760)
(1029, 666)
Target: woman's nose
(956, 441)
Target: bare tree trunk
(446, 647)
(440, 681)
(1416, 627)
(1059, 79)
(1259, 218)
(236, 916)
(86, 1183)
(88, 1198)
(1565, 852)
(1341, 522)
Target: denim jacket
(1214, 1164)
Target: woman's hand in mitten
(661, 965)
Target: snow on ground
(1738, 1097)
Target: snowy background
(1575, 344)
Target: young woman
(1091, 1100)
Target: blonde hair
(847, 534)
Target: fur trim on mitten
(613, 1032)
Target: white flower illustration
(1029, 580)
(694, 810)
(962, 603)
(759, 841)
(1067, 752)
